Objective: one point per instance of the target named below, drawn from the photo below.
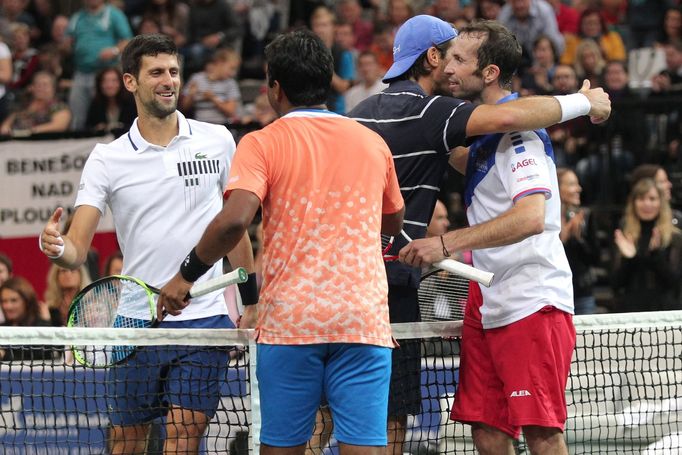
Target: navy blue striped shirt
(420, 130)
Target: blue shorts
(142, 387)
(353, 377)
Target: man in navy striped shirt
(421, 129)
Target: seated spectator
(489, 9)
(172, 16)
(62, 286)
(670, 79)
(672, 26)
(213, 94)
(42, 113)
(382, 46)
(350, 12)
(5, 268)
(397, 12)
(113, 264)
(322, 24)
(112, 109)
(25, 60)
(148, 26)
(660, 176)
(593, 27)
(369, 80)
(5, 274)
(260, 112)
(528, 19)
(5, 78)
(646, 270)
(344, 38)
(569, 138)
(579, 236)
(589, 62)
(537, 80)
(212, 24)
(21, 308)
(567, 17)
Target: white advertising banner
(36, 177)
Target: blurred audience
(322, 24)
(646, 269)
(528, 19)
(113, 264)
(593, 27)
(579, 236)
(98, 33)
(5, 274)
(589, 62)
(660, 176)
(567, 17)
(21, 308)
(670, 79)
(5, 78)
(350, 12)
(113, 108)
(62, 286)
(369, 80)
(489, 9)
(212, 25)
(43, 112)
(537, 80)
(672, 26)
(25, 60)
(213, 95)
(172, 17)
(260, 112)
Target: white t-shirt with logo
(532, 273)
(162, 199)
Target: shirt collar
(405, 85)
(139, 144)
(510, 97)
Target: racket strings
(443, 297)
(112, 302)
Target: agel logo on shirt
(523, 163)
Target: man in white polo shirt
(163, 182)
(518, 338)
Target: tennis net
(623, 393)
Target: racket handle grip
(238, 275)
(466, 271)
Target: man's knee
(489, 440)
(545, 440)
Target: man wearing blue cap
(421, 130)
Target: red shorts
(516, 375)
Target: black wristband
(248, 290)
(446, 253)
(192, 267)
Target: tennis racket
(121, 301)
(454, 267)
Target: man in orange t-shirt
(328, 188)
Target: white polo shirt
(532, 273)
(162, 199)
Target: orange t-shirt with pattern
(324, 181)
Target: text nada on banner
(36, 177)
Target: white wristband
(59, 247)
(573, 106)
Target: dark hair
(22, 287)
(145, 45)
(418, 69)
(110, 259)
(302, 65)
(4, 259)
(543, 37)
(499, 47)
(644, 171)
(590, 12)
(122, 92)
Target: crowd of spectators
(58, 73)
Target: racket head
(114, 301)
(442, 295)
(387, 243)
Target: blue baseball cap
(415, 37)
